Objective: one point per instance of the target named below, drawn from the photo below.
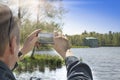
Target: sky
(100, 16)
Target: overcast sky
(92, 15)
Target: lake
(104, 62)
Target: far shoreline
(91, 47)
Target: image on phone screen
(46, 38)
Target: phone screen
(46, 38)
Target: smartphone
(46, 38)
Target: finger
(37, 44)
(34, 40)
(65, 37)
(60, 34)
(55, 33)
(35, 33)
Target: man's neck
(4, 61)
(1, 59)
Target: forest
(106, 39)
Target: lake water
(104, 62)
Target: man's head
(9, 37)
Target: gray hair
(8, 27)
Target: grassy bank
(39, 62)
(80, 47)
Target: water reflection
(58, 74)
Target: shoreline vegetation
(80, 47)
(90, 47)
(110, 39)
(39, 62)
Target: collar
(3, 66)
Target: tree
(110, 37)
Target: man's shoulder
(5, 74)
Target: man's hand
(62, 46)
(30, 42)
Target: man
(9, 43)
(9, 49)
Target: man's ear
(13, 44)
